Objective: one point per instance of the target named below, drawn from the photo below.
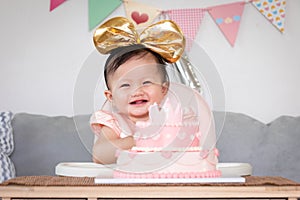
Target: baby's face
(135, 86)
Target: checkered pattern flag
(189, 21)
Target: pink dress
(103, 118)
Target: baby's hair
(122, 54)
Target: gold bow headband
(163, 37)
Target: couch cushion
(272, 149)
(41, 142)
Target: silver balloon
(184, 68)
(187, 74)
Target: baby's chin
(139, 115)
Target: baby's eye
(124, 85)
(147, 82)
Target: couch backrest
(272, 149)
(41, 142)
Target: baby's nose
(138, 91)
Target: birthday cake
(177, 142)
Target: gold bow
(163, 37)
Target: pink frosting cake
(177, 142)
(167, 164)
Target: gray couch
(41, 142)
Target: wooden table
(72, 187)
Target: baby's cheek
(120, 93)
(120, 98)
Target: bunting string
(226, 16)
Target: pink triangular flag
(55, 3)
(189, 21)
(228, 18)
(273, 10)
(141, 15)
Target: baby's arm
(107, 143)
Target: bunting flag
(55, 3)
(189, 21)
(100, 9)
(228, 18)
(273, 10)
(140, 14)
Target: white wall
(43, 52)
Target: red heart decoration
(139, 18)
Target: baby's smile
(139, 102)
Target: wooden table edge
(93, 192)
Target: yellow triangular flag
(141, 15)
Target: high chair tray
(84, 169)
(90, 169)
